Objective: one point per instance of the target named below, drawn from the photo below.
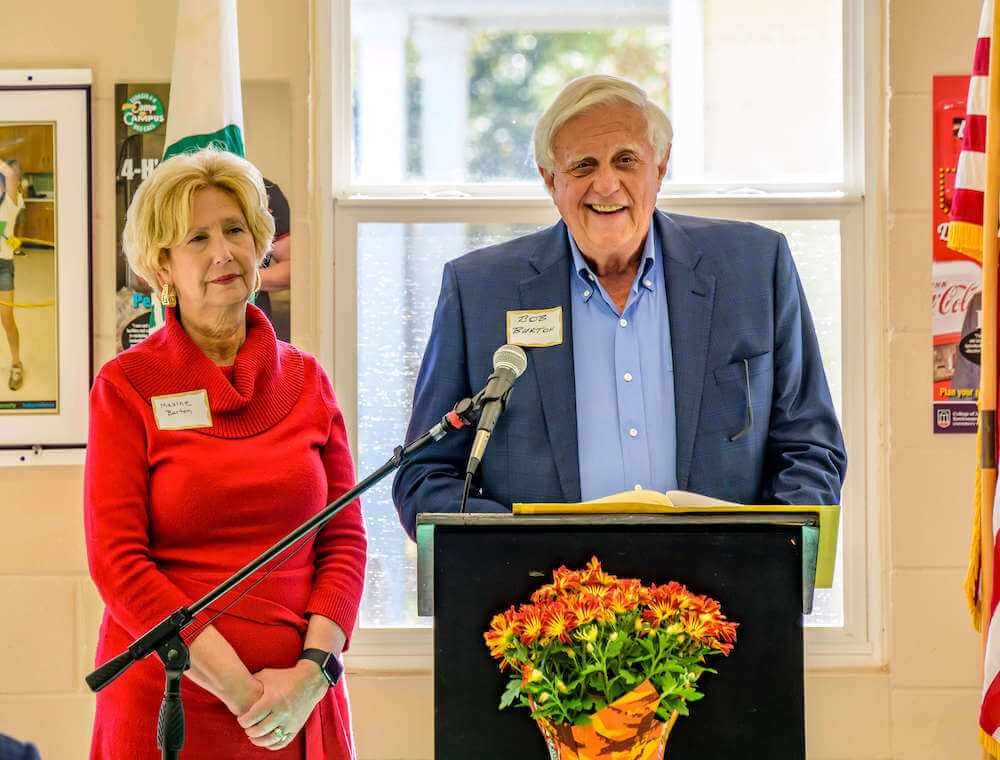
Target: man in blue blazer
(664, 351)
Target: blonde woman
(209, 440)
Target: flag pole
(988, 356)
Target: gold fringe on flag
(991, 745)
(966, 238)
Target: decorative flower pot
(627, 729)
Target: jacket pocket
(725, 402)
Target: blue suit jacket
(732, 294)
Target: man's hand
(290, 694)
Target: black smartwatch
(328, 662)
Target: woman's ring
(279, 734)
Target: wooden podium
(760, 566)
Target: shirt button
(648, 283)
(628, 377)
(633, 432)
(638, 486)
(623, 322)
(586, 294)
(590, 275)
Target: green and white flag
(206, 104)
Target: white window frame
(342, 207)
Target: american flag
(974, 207)
(965, 231)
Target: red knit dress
(171, 513)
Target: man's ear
(549, 178)
(661, 169)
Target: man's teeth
(605, 209)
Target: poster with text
(141, 112)
(956, 280)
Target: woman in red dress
(208, 441)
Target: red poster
(956, 280)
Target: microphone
(508, 364)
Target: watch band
(328, 662)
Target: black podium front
(474, 566)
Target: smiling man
(664, 351)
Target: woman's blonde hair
(160, 213)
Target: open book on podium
(643, 501)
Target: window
(433, 159)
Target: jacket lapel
(553, 365)
(690, 301)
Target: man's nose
(606, 181)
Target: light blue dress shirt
(624, 371)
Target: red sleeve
(116, 516)
(341, 546)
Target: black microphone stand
(165, 637)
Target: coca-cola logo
(953, 298)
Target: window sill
(410, 651)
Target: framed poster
(956, 279)
(46, 357)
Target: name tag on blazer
(535, 327)
(182, 411)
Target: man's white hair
(592, 90)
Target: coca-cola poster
(956, 280)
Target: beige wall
(923, 704)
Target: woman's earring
(258, 283)
(167, 297)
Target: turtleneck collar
(266, 381)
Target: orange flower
(585, 608)
(501, 634)
(595, 576)
(557, 622)
(529, 623)
(623, 599)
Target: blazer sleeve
(433, 480)
(341, 545)
(805, 460)
(116, 516)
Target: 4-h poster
(956, 280)
(141, 112)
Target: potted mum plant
(606, 664)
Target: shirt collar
(643, 278)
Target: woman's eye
(197, 238)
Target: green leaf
(582, 720)
(630, 678)
(512, 691)
(615, 647)
(691, 695)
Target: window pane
(815, 246)
(399, 276)
(449, 92)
